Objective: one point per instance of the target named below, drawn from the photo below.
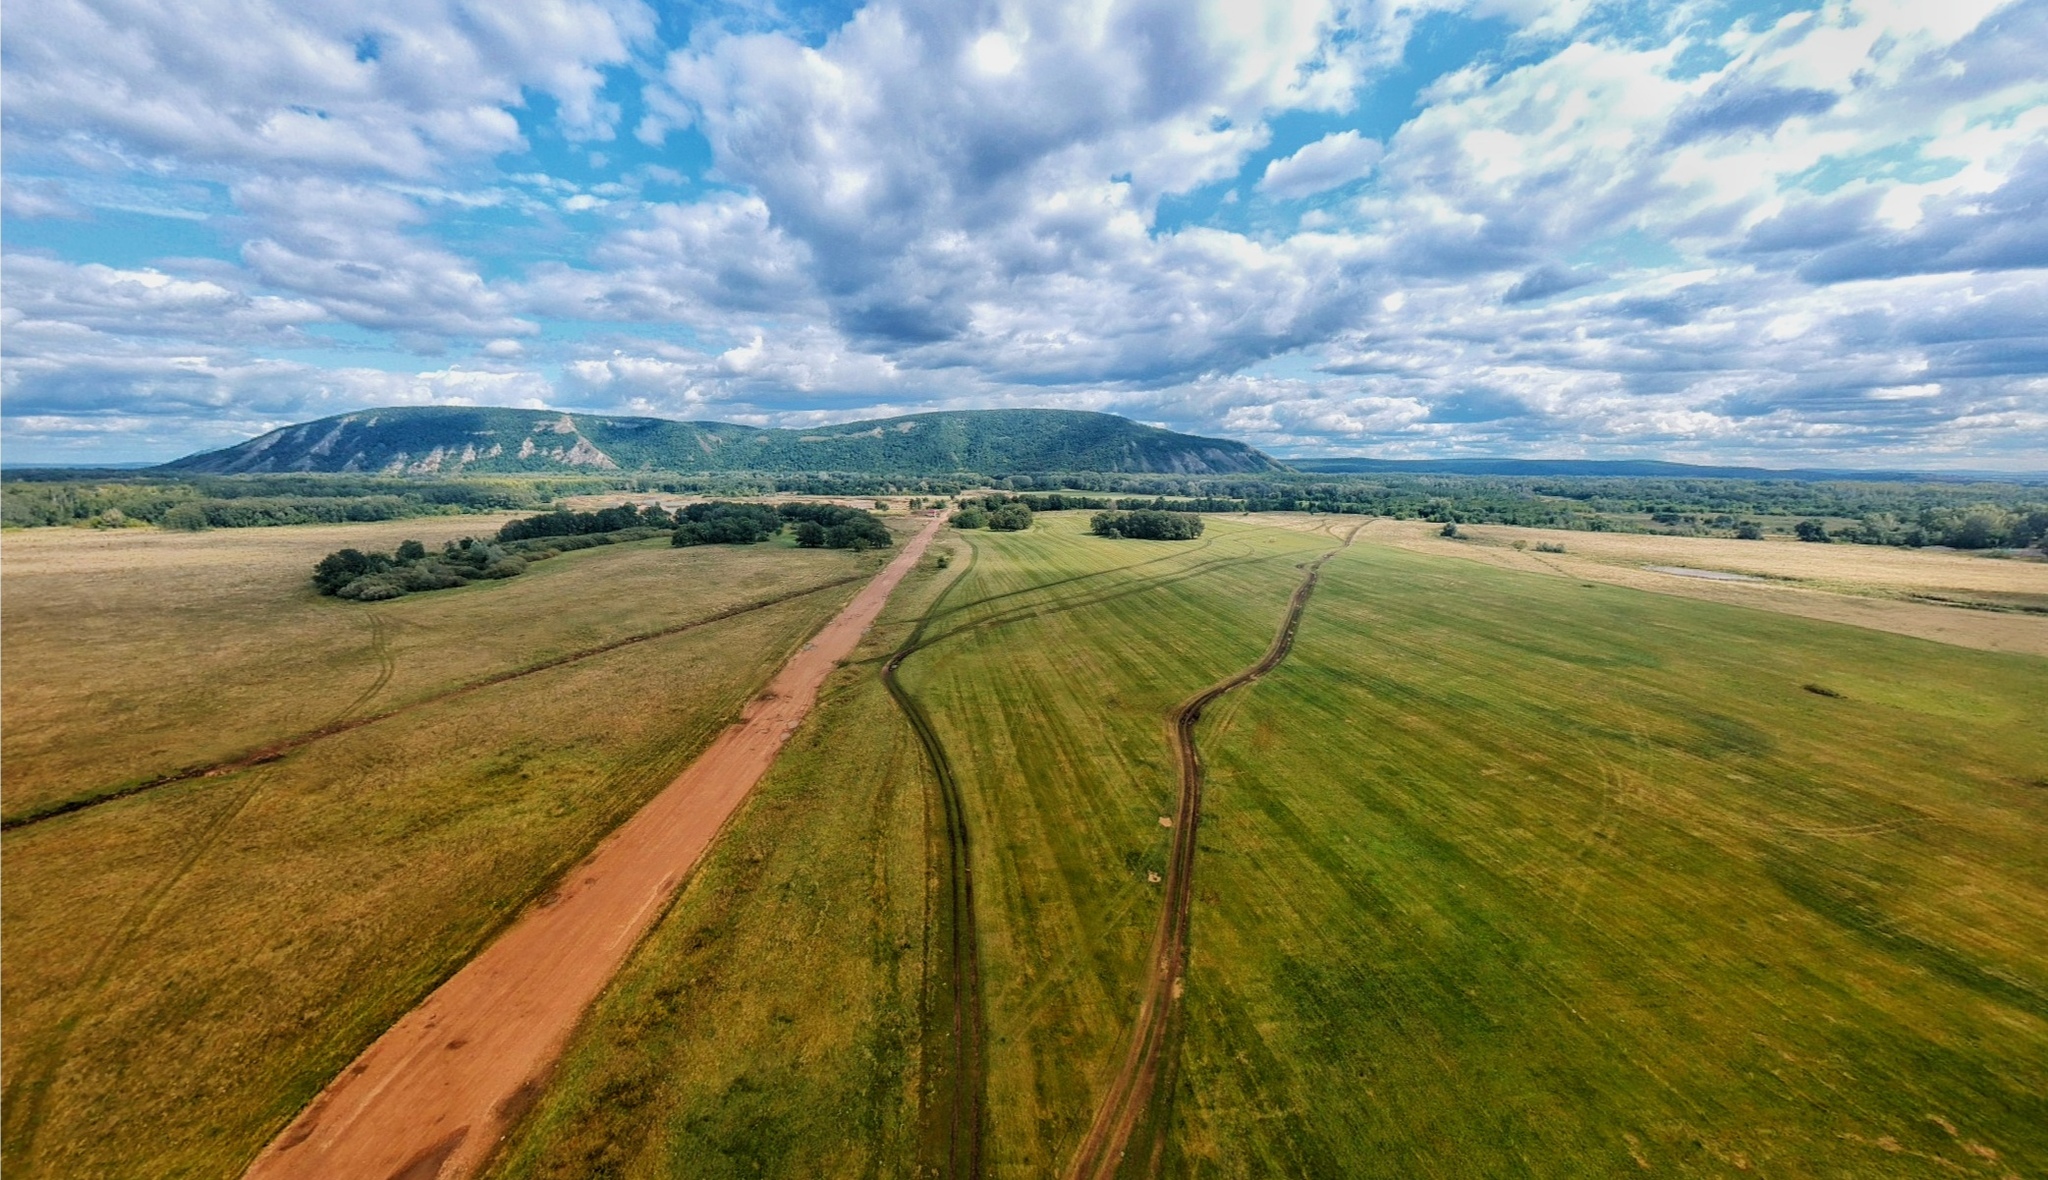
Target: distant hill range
(450, 440)
(1634, 468)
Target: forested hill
(446, 440)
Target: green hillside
(446, 440)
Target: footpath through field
(434, 1095)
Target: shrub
(1749, 530)
(1549, 547)
(1450, 529)
(1812, 530)
(970, 518)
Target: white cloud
(1336, 159)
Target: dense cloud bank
(1819, 238)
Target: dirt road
(1151, 1056)
(434, 1095)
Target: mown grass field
(184, 968)
(1509, 875)
(769, 1026)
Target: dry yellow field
(185, 967)
(139, 653)
(1863, 585)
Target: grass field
(1501, 873)
(184, 968)
(762, 1029)
(1508, 875)
(1968, 599)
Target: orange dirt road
(434, 1095)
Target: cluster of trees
(563, 523)
(374, 577)
(1975, 526)
(1148, 524)
(829, 526)
(1011, 517)
(722, 522)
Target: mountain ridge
(447, 440)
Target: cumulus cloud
(1829, 245)
(1336, 159)
(377, 86)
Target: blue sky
(1773, 233)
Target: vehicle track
(346, 723)
(953, 1092)
(1137, 1094)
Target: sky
(1776, 233)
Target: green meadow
(1499, 875)
(1512, 876)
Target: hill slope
(422, 440)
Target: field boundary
(1135, 1095)
(290, 745)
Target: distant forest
(1961, 515)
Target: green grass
(1510, 876)
(769, 1025)
(184, 968)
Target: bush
(970, 518)
(1450, 529)
(810, 534)
(1812, 530)
(1147, 524)
(1549, 547)
(1749, 530)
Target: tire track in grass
(953, 1092)
(1143, 1086)
(346, 723)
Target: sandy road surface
(434, 1095)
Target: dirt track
(1132, 1093)
(953, 1092)
(435, 1094)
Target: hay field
(1948, 596)
(185, 967)
(138, 653)
(1506, 874)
